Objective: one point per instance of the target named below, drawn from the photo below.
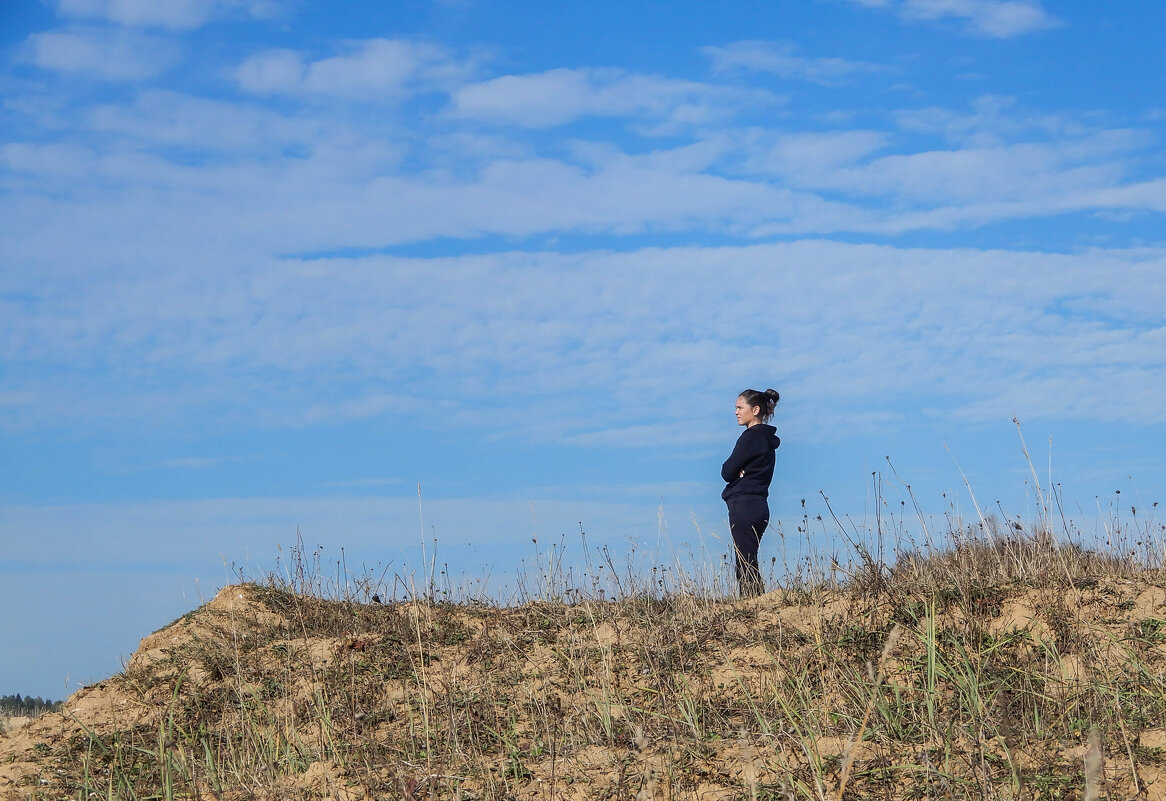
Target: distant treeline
(26, 706)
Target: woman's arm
(748, 447)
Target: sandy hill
(960, 685)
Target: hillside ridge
(1013, 690)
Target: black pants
(748, 518)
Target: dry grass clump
(1006, 558)
(1001, 667)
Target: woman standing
(748, 472)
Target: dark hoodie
(753, 455)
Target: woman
(748, 472)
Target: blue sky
(269, 265)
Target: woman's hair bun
(773, 395)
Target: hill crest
(974, 690)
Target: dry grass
(1004, 665)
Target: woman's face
(747, 415)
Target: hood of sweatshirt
(770, 434)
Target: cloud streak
(560, 96)
(175, 15)
(781, 59)
(954, 330)
(93, 53)
(369, 70)
(313, 182)
(1001, 19)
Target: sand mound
(265, 694)
(121, 703)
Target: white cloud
(1018, 172)
(343, 188)
(99, 53)
(810, 158)
(780, 59)
(161, 119)
(169, 14)
(993, 18)
(370, 69)
(992, 120)
(272, 72)
(57, 162)
(845, 331)
(321, 202)
(1004, 165)
(312, 182)
(559, 96)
